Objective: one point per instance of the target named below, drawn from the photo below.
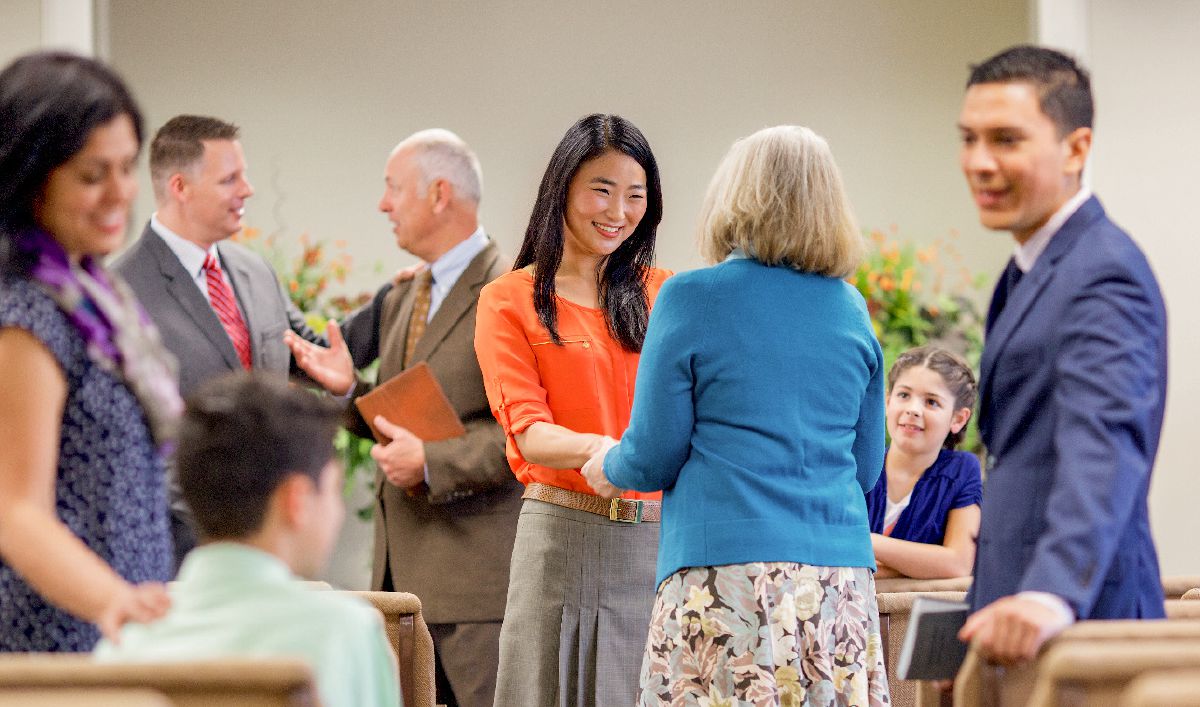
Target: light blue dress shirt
(448, 268)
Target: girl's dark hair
(623, 283)
(955, 372)
(50, 102)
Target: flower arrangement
(306, 279)
(919, 296)
(307, 276)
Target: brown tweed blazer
(452, 546)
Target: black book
(931, 648)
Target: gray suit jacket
(191, 331)
(188, 324)
(451, 546)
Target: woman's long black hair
(50, 102)
(623, 282)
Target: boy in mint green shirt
(255, 465)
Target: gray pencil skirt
(580, 594)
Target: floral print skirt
(765, 633)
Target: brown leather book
(414, 400)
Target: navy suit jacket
(1072, 386)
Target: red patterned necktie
(223, 303)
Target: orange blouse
(585, 385)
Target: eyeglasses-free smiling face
(605, 203)
(1019, 169)
(921, 413)
(85, 202)
(216, 191)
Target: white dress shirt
(1027, 253)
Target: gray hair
(440, 154)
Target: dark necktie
(1013, 275)
(1009, 280)
(223, 303)
(420, 313)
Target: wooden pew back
(208, 683)
(411, 641)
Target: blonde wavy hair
(778, 196)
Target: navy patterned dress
(110, 489)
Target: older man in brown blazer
(446, 512)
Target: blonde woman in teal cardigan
(758, 410)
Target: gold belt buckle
(614, 510)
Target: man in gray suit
(447, 511)
(218, 306)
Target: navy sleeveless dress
(110, 490)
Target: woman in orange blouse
(558, 341)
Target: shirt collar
(190, 255)
(448, 268)
(1027, 253)
(232, 561)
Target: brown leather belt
(622, 510)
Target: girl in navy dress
(924, 510)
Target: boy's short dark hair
(241, 436)
(1063, 86)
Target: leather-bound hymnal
(414, 400)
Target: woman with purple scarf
(88, 397)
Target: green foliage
(306, 279)
(922, 296)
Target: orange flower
(906, 279)
(246, 234)
(293, 286)
(886, 283)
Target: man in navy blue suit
(1074, 371)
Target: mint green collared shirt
(233, 600)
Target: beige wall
(20, 28)
(1145, 58)
(323, 91)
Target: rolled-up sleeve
(510, 371)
